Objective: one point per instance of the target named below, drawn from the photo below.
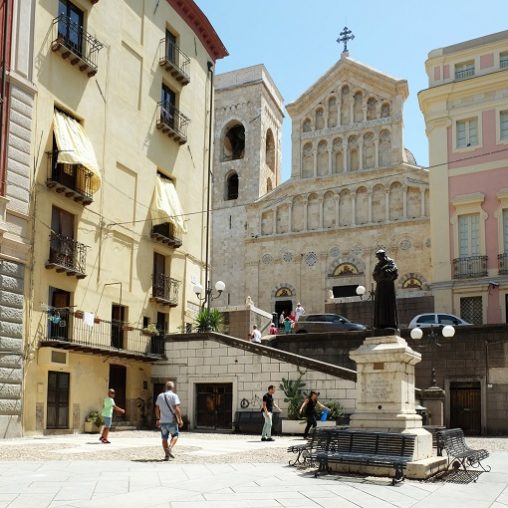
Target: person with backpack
(309, 405)
(169, 418)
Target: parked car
(436, 319)
(312, 323)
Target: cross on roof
(345, 36)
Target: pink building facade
(466, 114)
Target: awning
(166, 206)
(74, 147)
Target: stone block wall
(238, 321)
(11, 347)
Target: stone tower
(246, 166)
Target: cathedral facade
(353, 189)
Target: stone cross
(345, 36)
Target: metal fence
(66, 252)
(470, 267)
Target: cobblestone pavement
(212, 471)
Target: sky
(296, 41)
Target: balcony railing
(165, 289)
(72, 180)
(464, 73)
(470, 267)
(171, 122)
(67, 255)
(175, 61)
(165, 233)
(502, 263)
(66, 330)
(72, 42)
(503, 62)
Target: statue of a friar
(385, 274)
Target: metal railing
(470, 267)
(70, 35)
(72, 176)
(165, 288)
(464, 73)
(171, 117)
(503, 62)
(67, 253)
(170, 53)
(502, 263)
(64, 326)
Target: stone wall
(11, 347)
(238, 321)
(250, 368)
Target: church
(354, 188)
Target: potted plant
(333, 416)
(293, 391)
(150, 329)
(79, 314)
(96, 320)
(212, 320)
(93, 422)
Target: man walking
(169, 418)
(268, 405)
(107, 415)
(300, 311)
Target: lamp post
(447, 332)
(360, 291)
(208, 297)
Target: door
(59, 316)
(118, 313)
(214, 405)
(62, 247)
(285, 306)
(118, 381)
(168, 100)
(159, 276)
(465, 407)
(171, 47)
(58, 400)
(70, 25)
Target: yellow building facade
(121, 148)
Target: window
(234, 143)
(118, 319)
(427, 319)
(471, 309)
(70, 25)
(170, 46)
(59, 316)
(62, 222)
(503, 60)
(232, 186)
(446, 319)
(503, 125)
(270, 150)
(168, 105)
(464, 69)
(467, 132)
(469, 235)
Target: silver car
(438, 319)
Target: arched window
(232, 186)
(234, 143)
(371, 108)
(358, 107)
(320, 118)
(270, 150)
(307, 125)
(385, 110)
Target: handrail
(170, 52)
(66, 252)
(170, 115)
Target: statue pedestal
(386, 390)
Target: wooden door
(465, 407)
(58, 400)
(59, 317)
(117, 321)
(118, 381)
(214, 405)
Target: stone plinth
(386, 390)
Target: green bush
(293, 396)
(95, 417)
(215, 318)
(336, 410)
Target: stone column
(387, 206)
(376, 152)
(305, 214)
(321, 212)
(344, 159)
(422, 202)
(360, 154)
(370, 206)
(353, 211)
(330, 161)
(404, 202)
(290, 217)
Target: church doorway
(285, 306)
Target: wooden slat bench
(377, 449)
(458, 453)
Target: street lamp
(360, 291)
(208, 297)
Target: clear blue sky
(295, 39)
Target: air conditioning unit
(54, 357)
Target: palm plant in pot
(293, 396)
(209, 320)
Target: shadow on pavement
(457, 476)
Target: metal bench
(303, 450)
(377, 449)
(458, 453)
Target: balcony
(469, 267)
(174, 61)
(71, 180)
(464, 73)
(502, 263)
(67, 256)
(76, 45)
(67, 330)
(171, 122)
(165, 290)
(165, 233)
(503, 62)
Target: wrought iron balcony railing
(174, 60)
(67, 255)
(502, 263)
(66, 330)
(72, 180)
(165, 289)
(464, 73)
(172, 122)
(470, 267)
(74, 43)
(165, 233)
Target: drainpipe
(209, 179)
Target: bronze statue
(385, 310)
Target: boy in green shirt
(107, 415)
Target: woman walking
(309, 405)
